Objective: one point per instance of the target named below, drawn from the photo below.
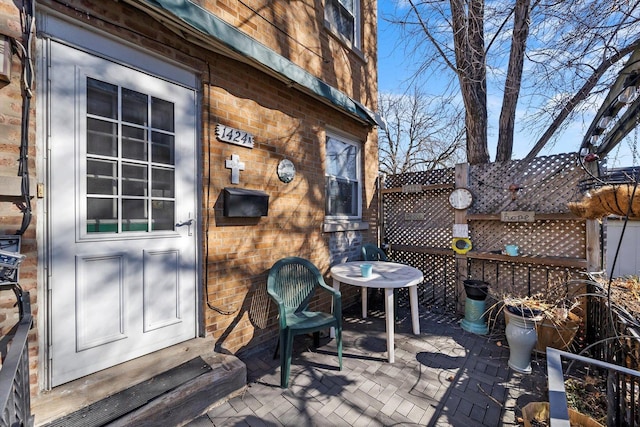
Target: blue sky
(394, 69)
(392, 64)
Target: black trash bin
(476, 289)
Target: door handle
(188, 223)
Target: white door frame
(88, 39)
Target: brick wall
(296, 30)
(11, 103)
(237, 253)
(241, 251)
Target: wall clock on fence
(460, 198)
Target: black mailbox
(240, 202)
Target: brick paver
(443, 377)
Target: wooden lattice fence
(418, 227)
(417, 223)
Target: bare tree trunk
(476, 123)
(468, 37)
(514, 79)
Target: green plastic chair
(371, 252)
(292, 283)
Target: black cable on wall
(24, 51)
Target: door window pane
(162, 149)
(163, 214)
(134, 215)
(134, 180)
(102, 177)
(102, 137)
(102, 208)
(163, 183)
(134, 143)
(134, 107)
(162, 114)
(102, 215)
(102, 99)
(118, 164)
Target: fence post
(460, 217)
(593, 250)
(593, 247)
(380, 238)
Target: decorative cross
(236, 166)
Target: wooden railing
(15, 400)
(444, 272)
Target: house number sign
(234, 136)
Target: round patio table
(386, 275)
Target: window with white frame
(343, 187)
(343, 17)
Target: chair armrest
(282, 312)
(337, 298)
(328, 288)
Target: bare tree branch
(544, 56)
(584, 91)
(423, 133)
(432, 39)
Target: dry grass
(625, 292)
(588, 396)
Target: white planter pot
(521, 337)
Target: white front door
(122, 203)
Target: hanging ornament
(461, 245)
(591, 157)
(514, 188)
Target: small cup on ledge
(511, 250)
(366, 269)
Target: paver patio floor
(443, 377)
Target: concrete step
(170, 388)
(226, 378)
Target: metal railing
(618, 415)
(15, 398)
(613, 336)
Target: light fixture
(604, 122)
(627, 94)
(607, 117)
(630, 87)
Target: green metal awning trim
(218, 33)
